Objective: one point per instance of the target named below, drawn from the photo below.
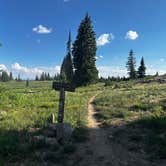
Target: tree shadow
(143, 139)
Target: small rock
(63, 132)
(52, 126)
(49, 133)
(51, 141)
(39, 137)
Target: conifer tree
(27, 83)
(48, 77)
(36, 78)
(142, 69)
(5, 76)
(11, 76)
(62, 71)
(131, 66)
(84, 54)
(19, 77)
(67, 64)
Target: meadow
(137, 115)
(26, 108)
(133, 115)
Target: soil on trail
(99, 150)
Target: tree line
(47, 77)
(4, 76)
(131, 67)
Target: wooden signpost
(62, 87)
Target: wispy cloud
(99, 57)
(40, 29)
(28, 72)
(162, 60)
(3, 67)
(106, 71)
(104, 39)
(131, 35)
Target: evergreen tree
(142, 69)
(67, 65)
(62, 70)
(45, 76)
(57, 77)
(36, 78)
(5, 76)
(131, 65)
(42, 77)
(18, 78)
(157, 74)
(48, 77)
(84, 54)
(27, 83)
(11, 76)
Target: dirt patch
(101, 149)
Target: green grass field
(24, 107)
(137, 111)
(139, 114)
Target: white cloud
(106, 71)
(115, 71)
(40, 29)
(3, 67)
(99, 57)
(132, 35)
(162, 60)
(104, 39)
(27, 72)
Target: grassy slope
(23, 107)
(139, 114)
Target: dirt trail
(100, 151)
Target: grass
(142, 111)
(24, 107)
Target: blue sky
(34, 33)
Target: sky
(34, 33)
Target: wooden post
(61, 133)
(61, 105)
(62, 87)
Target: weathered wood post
(61, 105)
(62, 87)
(63, 131)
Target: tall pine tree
(131, 65)
(84, 53)
(11, 76)
(142, 69)
(5, 77)
(67, 64)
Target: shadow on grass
(20, 146)
(146, 136)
